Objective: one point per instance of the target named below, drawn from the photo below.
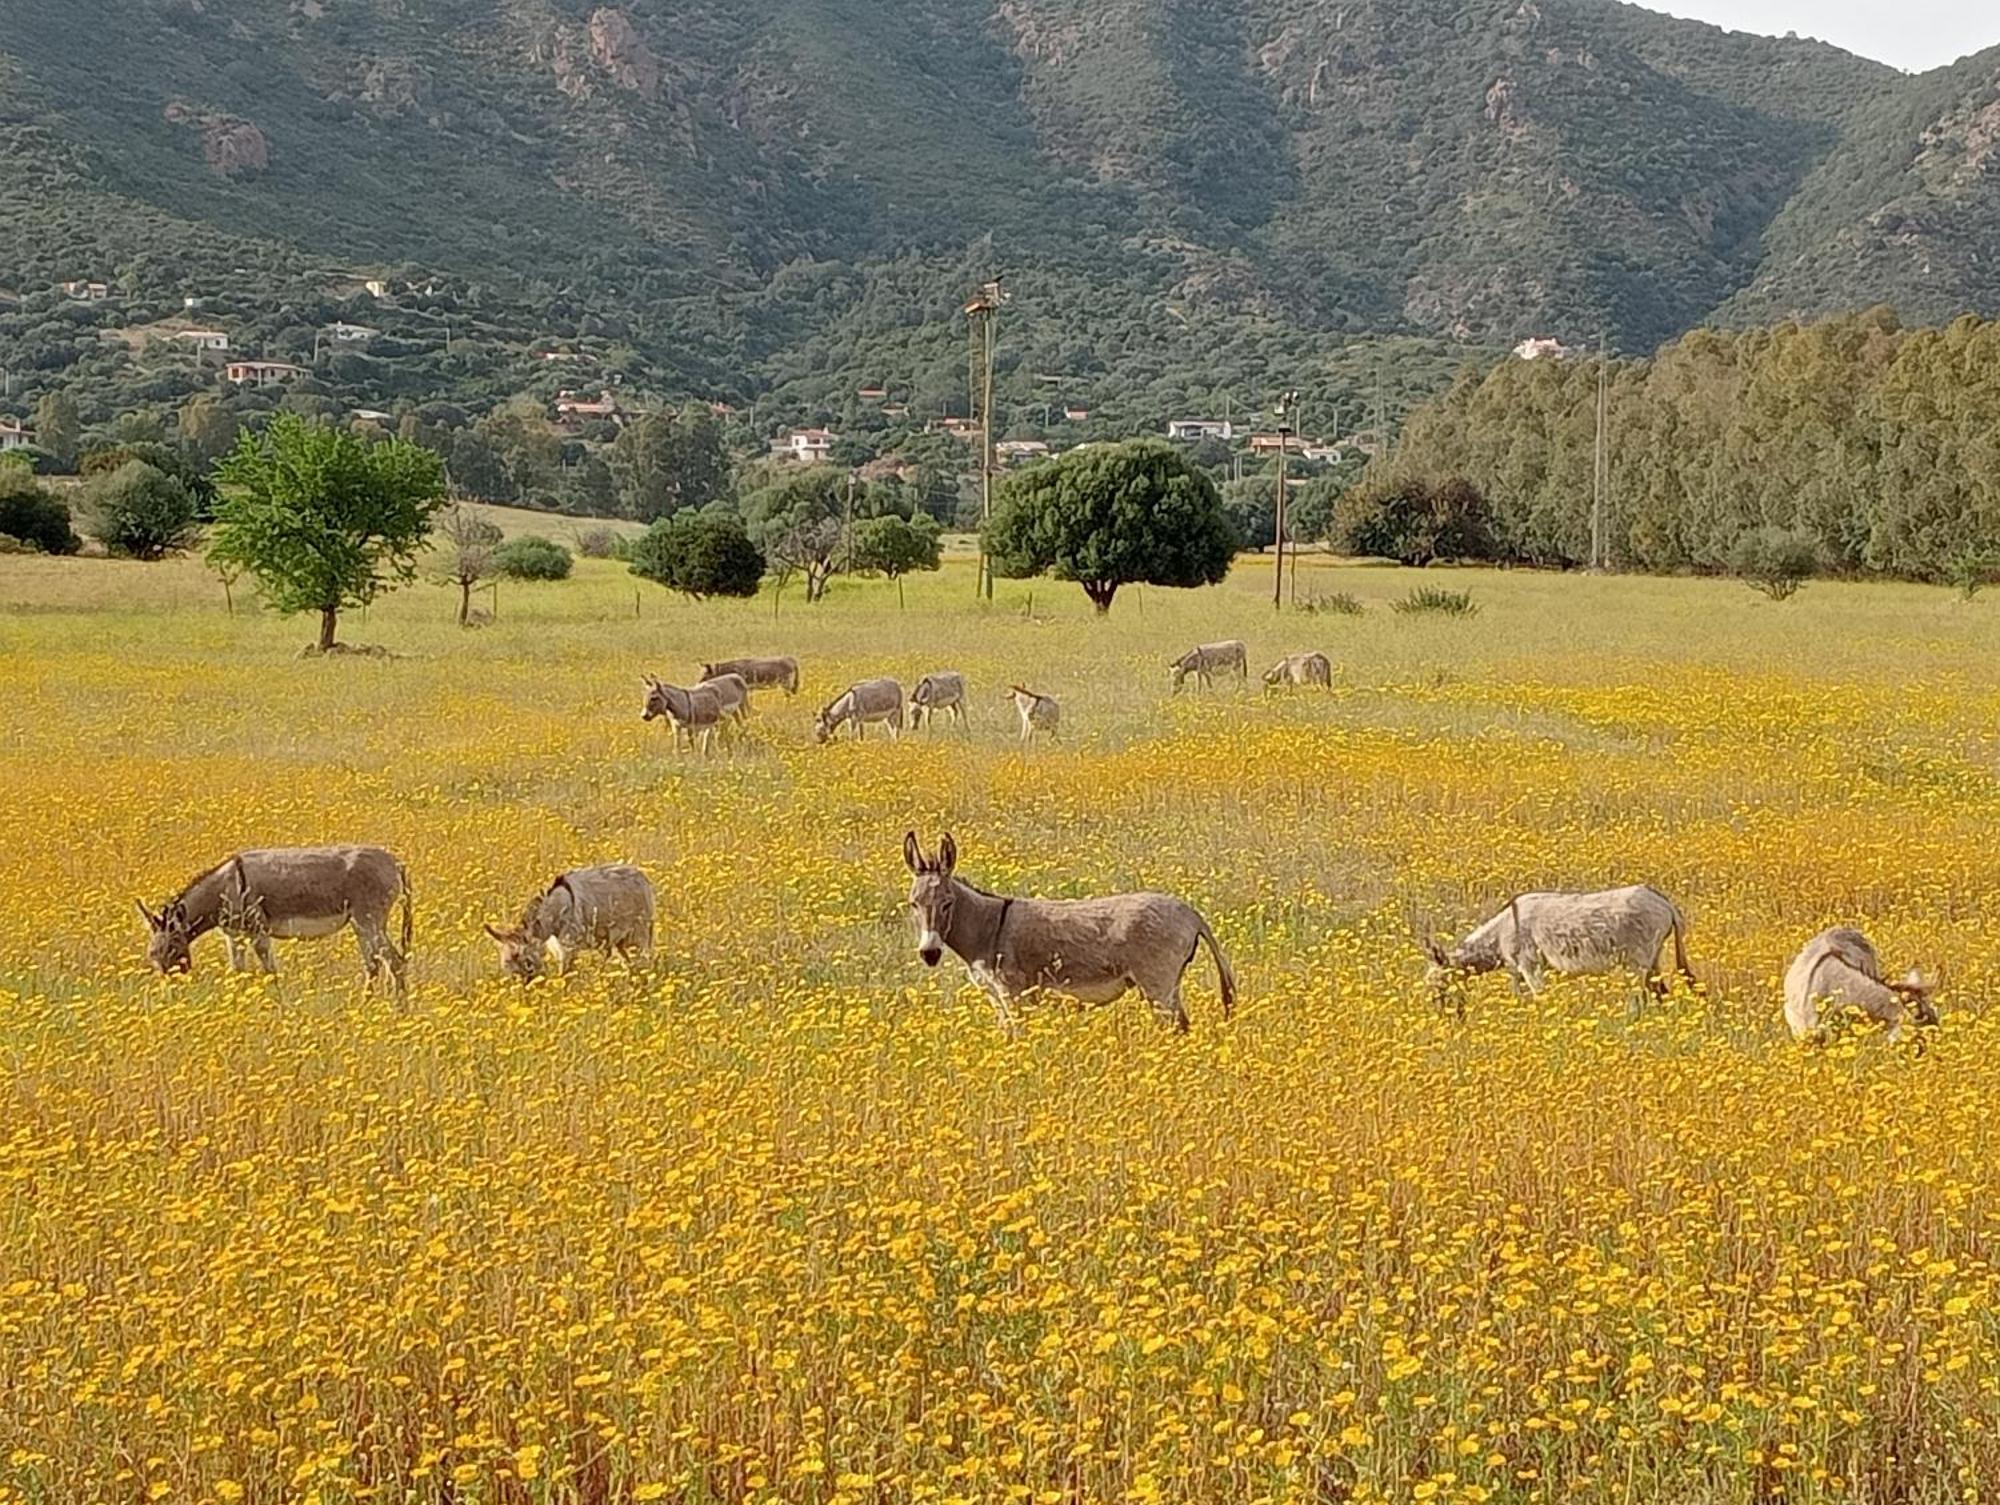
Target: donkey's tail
(1225, 978)
(409, 917)
(1680, 947)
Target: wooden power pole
(1600, 472)
(983, 316)
(1287, 404)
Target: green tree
(896, 546)
(31, 515)
(699, 554)
(1415, 522)
(1775, 561)
(142, 512)
(206, 429)
(801, 523)
(478, 469)
(532, 557)
(1113, 515)
(321, 519)
(59, 429)
(665, 464)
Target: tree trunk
(329, 617)
(900, 603)
(1100, 593)
(816, 579)
(464, 602)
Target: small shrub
(1431, 601)
(141, 512)
(1972, 571)
(532, 557)
(30, 515)
(1776, 561)
(597, 543)
(1338, 604)
(699, 554)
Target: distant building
(351, 334)
(1324, 453)
(1021, 451)
(87, 292)
(13, 436)
(373, 415)
(190, 302)
(958, 428)
(376, 288)
(805, 446)
(573, 410)
(204, 339)
(895, 410)
(1191, 430)
(1270, 444)
(1077, 415)
(1537, 349)
(261, 373)
(719, 409)
(871, 394)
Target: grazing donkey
(1093, 950)
(1301, 669)
(606, 908)
(286, 893)
(871, 700)
(1838, 969)
(697, 714)
(759, 673)
(733, 693)
(943, 691)
(1039, 713)
(1207, 660)
(1569, 935)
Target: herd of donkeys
(1014, 948)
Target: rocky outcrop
(231, 146)
(618, 49)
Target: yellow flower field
(786, 1217)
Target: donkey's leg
(1168, 1007)
(267, 954)
(237, 963)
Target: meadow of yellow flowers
(785, 1217)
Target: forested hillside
(779, 201)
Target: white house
(375, 287)
(373, 415)
(13, 436)
(204, 339)
(1192, 429)
(1325, 453)
(1537, 349)
(574, 410)
(351, 334)
(87, 292)
(261, 373)
(1021, 451)
(806, 446)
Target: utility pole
(1286, 405)
(983, 315)
(1600, 473)
(847, 525)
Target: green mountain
(778, 201)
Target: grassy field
(787, 1218)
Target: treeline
(1877, 447)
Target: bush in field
(532, 557)
(141, 512)
(699, 554)
(1415, 522)
(1338, 604)
(1430, 601)
(895, 546)
(597, 543)
(31, 515)
(1776, 561)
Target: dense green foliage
(142, 512)
(801, 520)
(1776, 561)
(29, 515)
(896, 546)
(1881, 445)
(700, 554)
(321, 519)
(666, 463)
(532, 557)
(1415, 521)
(781, 206)
(1113, 515)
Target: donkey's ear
(913, 855)
(153, 921)
(947, 854)
(1433, 949)
(499, 935)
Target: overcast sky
(1913, 34)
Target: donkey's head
(1442, 977)
(169, 936)
(932, 895)
(1919, 995)
(520, 956)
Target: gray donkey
(287, 893)
(1568, 935)
(1839, 969)
(1094, 950)
(1208, 660)
(607, 908)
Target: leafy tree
(206, 429)
(468, 541)
(588, 489)
(532, 557)
(59, 429)
(1415, 522)
(896, 546)
(1775, 561)
(800, 523)
(141, 512)
(528, 446)
(700, 554)
(477, 468)
(1113, 515)
(1253, 508)
(323, 520)
(664, 464)
(30, 514)
(169, 459)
